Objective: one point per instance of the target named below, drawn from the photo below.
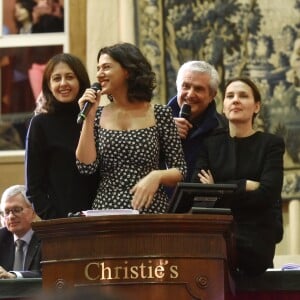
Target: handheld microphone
(185, 111)
(87, 105)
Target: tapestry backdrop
(260, 39)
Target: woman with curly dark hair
(126, 138)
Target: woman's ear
(257, 108)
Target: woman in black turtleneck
(254, 161)
(54, 185)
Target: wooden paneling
(11, 168)
(77, 27)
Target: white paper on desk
(290, 266)
(109, 212)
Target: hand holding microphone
(87, 105)
(183, 126)
(185, 111)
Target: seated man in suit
(20, 248)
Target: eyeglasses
(16, 211)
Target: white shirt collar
(26, 237)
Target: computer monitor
(190, 197)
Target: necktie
(19, 255)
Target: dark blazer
(33, 256)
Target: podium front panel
(143, 256)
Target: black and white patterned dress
(126, 156)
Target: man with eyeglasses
(20, 248)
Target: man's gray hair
(13, 191)
(199, 66)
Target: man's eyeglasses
(16, 211)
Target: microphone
(185, 111)
(87, 105)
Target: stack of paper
(290, 266)
(109, 212)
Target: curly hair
(76, 66)
(141, 78)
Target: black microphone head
(96, 86)
(185, 111)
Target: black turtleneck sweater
(257, 213)
(54, 185)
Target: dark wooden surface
(79, 252)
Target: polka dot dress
(124, 157)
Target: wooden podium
(168, 256)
